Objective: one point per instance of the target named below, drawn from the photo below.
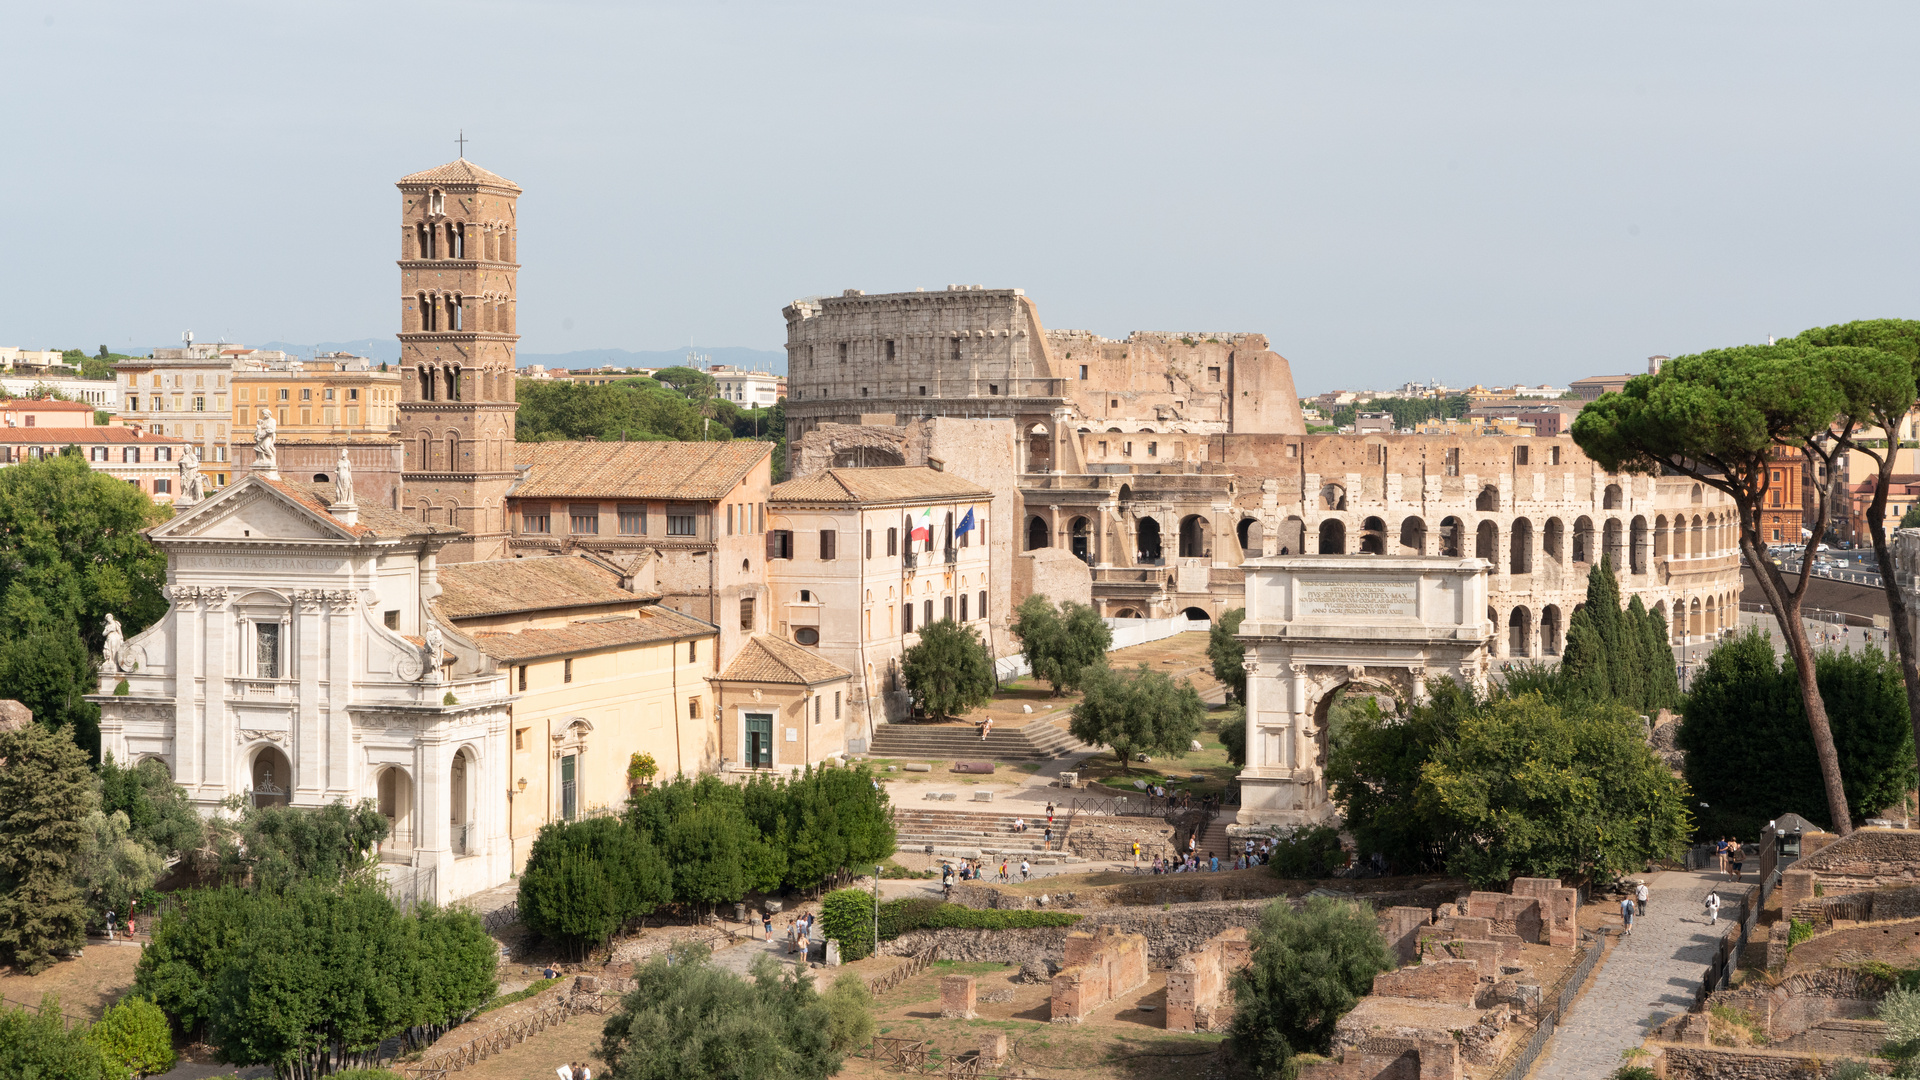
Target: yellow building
(600, 672)
(324, 398)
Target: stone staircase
(1039, 740)
(968, 833)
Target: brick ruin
(1099, 967)
(1811, 1022)
(1866, 860)
(958, 996)
(1200, 983)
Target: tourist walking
(1720, 853)
(766, 923)
(1736, 855)
(1003, 869)
(1626, 914)
(1136, 854)
(1024, 870)
(1049, 836)
(1713, 909)
(1640, 895)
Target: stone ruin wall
(1100, 967)
(1200, 983)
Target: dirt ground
(1896, 943)
(576, 1040)
(101, 976)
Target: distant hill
(388, 349)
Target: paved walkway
(1650, 976)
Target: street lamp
(876, 911)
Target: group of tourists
(979, 870)
(1731, 855)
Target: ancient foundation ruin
(1200, 983)
(1099, 968)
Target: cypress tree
(1583, 664)
(46, 793)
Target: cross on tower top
(462, 140)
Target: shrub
(849, 1013)
(926, 913)
(1634, 1072)
(688, 1020)
(846, 916)
(1798, 931)
(519, 995)
(1309, 968)
(134, 1034)
(1309, 853)
(39, 1044)
(586, 879)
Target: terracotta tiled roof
(635, 470)
(117, 436)
(374, 521)
(38, 405)
(766, 659)
(649, 624)
(899, 483)
(542, 583)
(460, 171)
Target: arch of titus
(1317, 623)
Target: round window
(807, 635)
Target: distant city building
(12, 357)
(31, 430)
(1379, 423)
(102, 394)
(748, 389)
(183, 393)
(1546, 418)
(1591, 387)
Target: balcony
(909, 558)
(951, 555)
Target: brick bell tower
(458, 237)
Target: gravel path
(1651, 975)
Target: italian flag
(922, 526)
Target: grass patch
(520, 995)
(971, 967)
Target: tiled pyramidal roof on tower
(461, 171)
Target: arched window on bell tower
(456, 310)
(426, 312)
(421, 245)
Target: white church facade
(300, 662)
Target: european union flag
(966, 523)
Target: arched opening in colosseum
(1613, 499)
(1583, 539)
(1198, 615)
(1450, 529)
(1333, 537)
(1550, 630)
(1553, 540)
(1489, 499)
(1036, 532)
(1699, 494)
(1195, 543)
(1293, 536)
(1637, 556)
(1373, 537)
(1712, 617)
(1125, 495)
(1147, 542)
(1413, 536)
(1079, 540)
(1249, 532)
(1616, 545)
(1713, 534)
(1520, 632)
(1660, 548)
(1520, 547)
(1039, 449)
(867, 457)
(1697, 537)
(1333, 497)
(1486, 543)
(1695, 626)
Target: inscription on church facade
(1346, 599)
(250, 562)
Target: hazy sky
(1469, 192)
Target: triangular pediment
(251, 510)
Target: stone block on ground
(958, 996)
(833, 954)
(917, 766)
(973, 767)
(993, 1048)
(983, 795)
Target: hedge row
(846, 916)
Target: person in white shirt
(1640, 894)
(1713, 909)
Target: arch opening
(1333, 537)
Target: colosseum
(1148, 469)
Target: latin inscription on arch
(1349, 599)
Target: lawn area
(1209, 762)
